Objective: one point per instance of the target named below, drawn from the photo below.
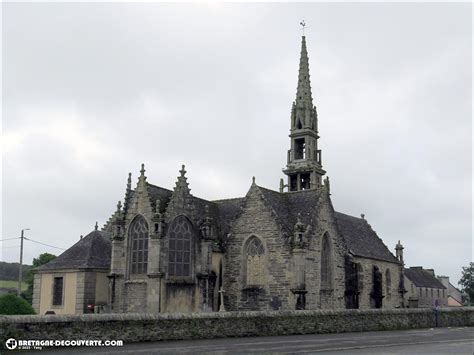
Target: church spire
(304, 163)
(303, 91)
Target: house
(76, 281)
(424, 289)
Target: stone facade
(269, 250)
(285, 250)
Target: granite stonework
(268, 250)
(154, 327)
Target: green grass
(12, 284)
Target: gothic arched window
(139, 246)
(388, 283)
(255, 265)
(326, 261)
(180, 235)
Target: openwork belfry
(268, 250)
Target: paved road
(419, 341)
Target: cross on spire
(303, 25)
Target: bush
(12, 304)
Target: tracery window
(255, 268)
(388, 283)
(326, 260)
(180, 244)
(139, 246)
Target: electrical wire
(2, 240)
(51, 246)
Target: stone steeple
(304, 164)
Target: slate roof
(157, 192)
(359, 237)
(287, 206)
(422, 278)
(226, 211)
(91, 252)
(361, 240)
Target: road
(417, 341)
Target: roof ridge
(159, 187)
(227, 199)
(348, 215)
(266, 188)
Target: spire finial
(304, 97)
(303, 25)
(119, 206)
(142, 170)
(182, 171)
(129, 181)
(253, 180)
(96, 227)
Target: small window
(300, 148)
(299, 125)
(305, 182)
(58, 286)
(293, 183)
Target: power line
(16, 246)
(51, 246)
(2, 240)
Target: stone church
(269, 250)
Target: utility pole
(21, 260)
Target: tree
(40, 260)
(12, 304)
(467, 283)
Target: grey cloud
(91, 91)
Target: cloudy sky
(90, 91)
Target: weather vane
(303, 25)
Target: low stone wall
(152, 327)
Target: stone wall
(154, 327)
(282, 267)
(390, 291)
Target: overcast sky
(90, 91)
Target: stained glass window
(388, 284)
(180, 236)
(255, 262)
(139, 246)
(326, 259)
